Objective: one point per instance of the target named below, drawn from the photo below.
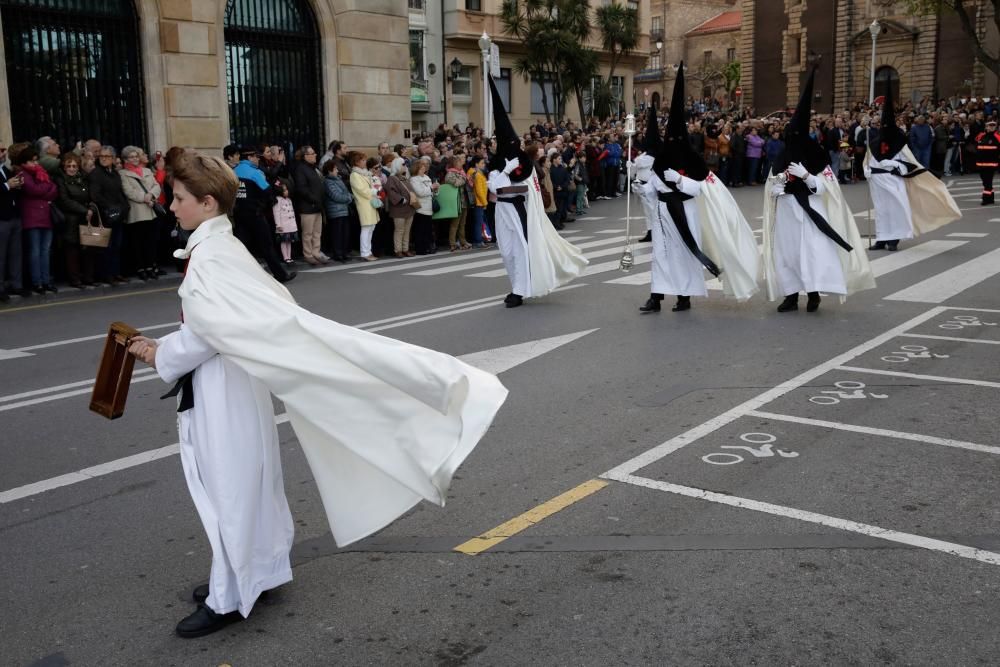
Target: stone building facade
(187, 91)
(463, 95)
(676, 23)
(921, 55)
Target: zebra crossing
(603, 248)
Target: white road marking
(900, 435)
(952, 282)
(495, 361)
(69, 341)
(968, 235)
(422, 261)
(918, 376)
(638, 257)
(656, 453)
(68, 394)
(61, 387)
(961, 340)
(641, 278)
(13, 354)
(902, 258)
(812, 517)
(590, 218)
(497, 260)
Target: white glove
(671, 176)
(777, 189)
(511, 165)
(797, 170)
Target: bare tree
(966, 11)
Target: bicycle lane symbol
(764, 449)
(845, 390)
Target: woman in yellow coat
(366, 201)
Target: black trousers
(422, 233)
(140, 245)
(257, 235)
(986, 173)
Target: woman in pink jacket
(36, 217)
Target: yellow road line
(530, 518)
(4, 311)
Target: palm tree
(553, 33)
(619, 28)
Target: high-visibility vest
(988, 150)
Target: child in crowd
(284, 222)
(846, 163)
(480, 195)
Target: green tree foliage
(553, 34)
(966, 11)
(619, 29)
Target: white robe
(805, 259)
(230, 455)
(893, 216)
(675, 270)
(643, 170)
(383, 424)
(510, 238)
(542, 262)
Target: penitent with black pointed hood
(891, 138)
(508, 142)
(676, 152)
(799, 146)
(651, 140)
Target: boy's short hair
(204, 175)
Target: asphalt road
(727, 485)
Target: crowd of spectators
(403, 200)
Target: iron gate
(74, 70)
(273, 73)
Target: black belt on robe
(912, 170)
(800, 190)
(675, 207)
(185, 387)
(517, 201)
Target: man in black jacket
(106, 191)
(307, 196)
(254, 196)
(10, 231)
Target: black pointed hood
(891, 139)
(508, 141)
(676, 152)
(651, 140)
(799, 146)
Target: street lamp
(659, 53)
(484, 46)
(455, 68)
(875, 29)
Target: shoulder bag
(95, 237)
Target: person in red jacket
(988, 158)
(36, 217)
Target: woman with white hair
(140, 187)
(400, 200)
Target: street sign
(738, 92)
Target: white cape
(857, 271)
(554, 261)
(383, 424)
(931, 203)
(728, 240)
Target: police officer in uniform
(251, 227)
(988, 158)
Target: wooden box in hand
(114, 375)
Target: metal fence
(74, 70)
(273, 73)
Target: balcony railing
(648, 74)
(418, 93)
(417, 5)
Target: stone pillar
(748, 29)
(193, 74)
(373, 56)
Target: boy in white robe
(383, 424)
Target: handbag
(95, 237)
(157, 207)
(435, 204)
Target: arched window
(74, 70)
(273, 73)
(883, 76)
